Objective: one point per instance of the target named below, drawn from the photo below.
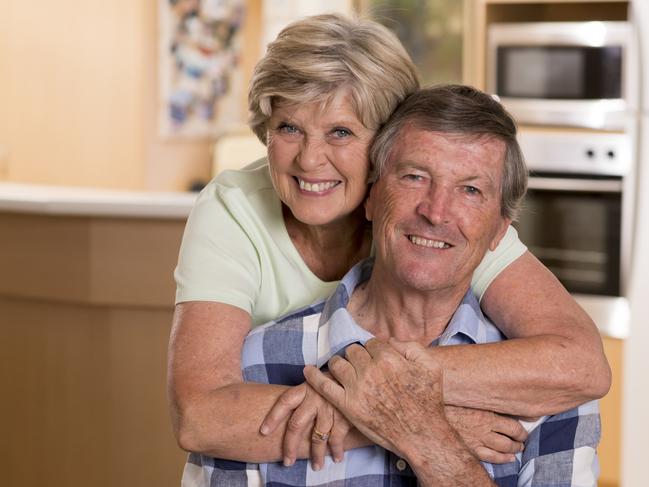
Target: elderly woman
(280, 234)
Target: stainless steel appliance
(576, 214)
(563, 73)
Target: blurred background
(112, 115)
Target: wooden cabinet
(85, 313)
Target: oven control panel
(604, 154)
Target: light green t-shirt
(236, 251)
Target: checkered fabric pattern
(560, 450)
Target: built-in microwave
(563, 73)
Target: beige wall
(78, 96)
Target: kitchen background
(111, 111)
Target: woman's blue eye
(471, 190)
(287, 128)
(342, 132)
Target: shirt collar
(337, 329)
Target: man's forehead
(423, 145)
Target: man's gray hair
(463, 111)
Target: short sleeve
(217, 260)
(509, 249)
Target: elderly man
(448, 180)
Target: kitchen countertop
(80, 201)
(611, 314)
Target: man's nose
(436, 205)
(312, 153)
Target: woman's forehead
(338, 103)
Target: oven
(574, 217)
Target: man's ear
(369, 203)
(503, 224)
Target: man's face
(436, 208)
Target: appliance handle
(570, 184)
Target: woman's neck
(329, 251)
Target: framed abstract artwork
(200, 70)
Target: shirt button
(401, 465)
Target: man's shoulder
(470, 325)
(277, 351)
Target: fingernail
(287, 462)
(316, 467)
(264, 429)
(337, 459)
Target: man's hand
(307, 410)
(393, 394)
(392, 398)
(492, 437)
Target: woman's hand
(308, 412)
(490, 436)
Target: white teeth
(316, 187)
(424, 242)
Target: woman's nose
(312, 153)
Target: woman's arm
(216, 414)
(213, 411)
(553, 361)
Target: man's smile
(427, 242)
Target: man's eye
(413, 177)
(471, 190)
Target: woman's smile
(316, 187)
(318, 158)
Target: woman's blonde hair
(313, 58)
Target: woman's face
(318, 158)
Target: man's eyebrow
(480, 177)
(406, 164)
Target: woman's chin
(321, 216)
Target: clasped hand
(389, 392)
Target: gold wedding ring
(319, 435)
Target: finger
(502, 443)
(413, 351)
(358, 356)
(487, 455)
(328, 388)
(283, 407)
(376, 347)
(509, 427)
(298, 426)
(323, 424)
(337, 436)
(342, 371)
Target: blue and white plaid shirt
(559, 452)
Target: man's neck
(386, 310)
